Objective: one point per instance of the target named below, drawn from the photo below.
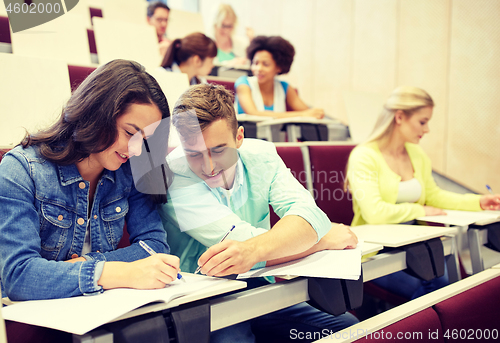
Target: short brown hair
(210, 102)
(281, 50)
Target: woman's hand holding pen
(490, 202)
(228, 257)
(149, 273)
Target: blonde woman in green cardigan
(390, 178)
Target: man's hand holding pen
(229, 257)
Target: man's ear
(240, 134)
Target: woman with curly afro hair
(263, 94)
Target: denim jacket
(43, 220)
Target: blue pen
(152, 252)
(223, 238)
(489, 189)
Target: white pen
(152, 252)
(222, 239)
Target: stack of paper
(464, 218)
(335, 264)
(89, 312)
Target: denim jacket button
(81, 185)
(60, 217)
(80, 221)
(118, 209)
(95, 216)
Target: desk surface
(394, 236)
(297, 120)
(115, 304)
(235, 308)
(224, 287)
(464, 218)
(368, 248)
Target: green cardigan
(374, 187)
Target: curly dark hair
(281, 50)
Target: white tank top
(409, 191)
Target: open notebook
(337, 264)
(89, 312)
(464, 218)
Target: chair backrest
(95, 12)
(77, 74)
(67, 41)
(131, 11)
(173, 85)
(293, 158)
(482, 305)
(4, 30)
(91, 38)
(33, 93)
(130, 41)
(3, 335)
(413, 328)
(328, 170)
(227, 83)
(182, 23)
(3, 152)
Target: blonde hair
(405, 98)
(225, 11)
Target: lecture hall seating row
(321, 168)
(466, 310)
(6, 38)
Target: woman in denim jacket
(67, 191)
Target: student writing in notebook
(193, 55)
(67, 191)
(390, 176)
(264, 94)
(222, 180)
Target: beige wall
(451, 48)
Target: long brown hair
(195, 44)
(87, 124)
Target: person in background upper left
(157, 16)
